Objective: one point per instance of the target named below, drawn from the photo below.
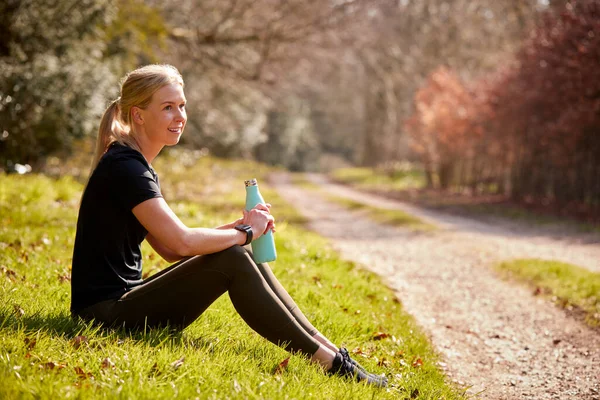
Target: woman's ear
(136, 115)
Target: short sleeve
(134, 183)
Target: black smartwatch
(247, 229)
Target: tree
(442, 128)
(59, 61)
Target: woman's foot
(345, 353)
(343, 365)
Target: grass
(570, 286)
(383, 215)
(46, 354)
(407, 183)
(393, 178)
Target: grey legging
(178, 295)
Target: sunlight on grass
(46, 354)
(568, 285)
(400, 177)
(384, 215)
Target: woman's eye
(181, 107)
(168, 108)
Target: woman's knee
(235, 252)
(238, 261)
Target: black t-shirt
(107, 259)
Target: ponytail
(105, 132)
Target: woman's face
(164, 119)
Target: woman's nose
(181, 115)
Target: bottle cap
(251, 182)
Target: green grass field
(570, 286)
(387, 179)
(383, 215)
(46, 354)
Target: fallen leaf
(537, 291)
(78, 341)
(380, 335)
(18, 311)
(64, 278)
(107, 363)
(281, 367)
(30, 343)
(178, 363)
(357, 350)
(317, 281)
(154, 370)
(10, 274)
(337, 286)
(384, 362)
(52, 365)
(82, 374)
(417, 363)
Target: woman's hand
(260, 219)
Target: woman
(122, 205)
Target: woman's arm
(167, 230)
(166, 253)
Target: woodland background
(493, 96)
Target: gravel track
(496, 337)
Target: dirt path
(496, 337)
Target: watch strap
(248, 230)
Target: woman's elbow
(183, 246)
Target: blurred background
(489, 96)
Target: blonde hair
(137, 88)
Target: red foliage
(532, 127)
(441, 127)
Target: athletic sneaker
(343, 365)
(346, 354)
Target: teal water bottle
(263, 248)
